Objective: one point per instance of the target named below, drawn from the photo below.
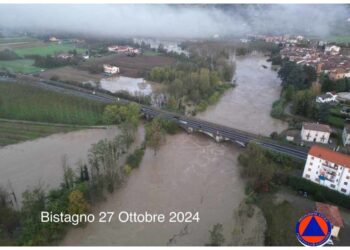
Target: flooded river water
(189, 173)
(27, 164)
(193, 173)
(135, 86)
(248, 105)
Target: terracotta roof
(331, 212)
(317, 127)
(330, 155)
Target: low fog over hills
(184, 21)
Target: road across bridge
(216, 131)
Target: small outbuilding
(333, 215)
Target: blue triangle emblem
(313, 229)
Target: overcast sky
(185, 21)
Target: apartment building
(328, 168)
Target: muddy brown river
(194, 173)
(248, 105)
(28, 164)
(189, 173)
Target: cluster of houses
(320, 133)
(329, 61)
(323, 165)
(123, 49)
(327, 167)
(283, 39)
(324, 58)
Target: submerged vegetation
(82, 186)
(12, 132)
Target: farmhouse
(123, 49)
(65, 56)
(315, 132)
(333, 215)
(53, 39)
(110, 69)
(328, 168)
(113, 48)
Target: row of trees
(54, 62)
(8, 55)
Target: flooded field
(135, 86)
(248, 105)
(27, 164)
(189, 173)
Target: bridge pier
(188, 129)
(218, 138)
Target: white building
(328, 168)
(332, 49)
(110, 69)
(327, 98)
(65, 56)
(346, 135)
(113, 48)
(53, 39)
(315, 132)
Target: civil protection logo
(313, 229)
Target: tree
(117, 114)
(172, 103)
(77, 203)
(303, 103)
(68, 173)
(32, 205)
(289, 92)
(294, 74)
(257, 167)
(321, 112)
(155, 135)
(216, 235)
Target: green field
(12, 132)
(48, 49)
(150, 53)
(18, 39)
(19, 66)
(339, 39)
(23, 102)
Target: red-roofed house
(333, 215)
(328, 168)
